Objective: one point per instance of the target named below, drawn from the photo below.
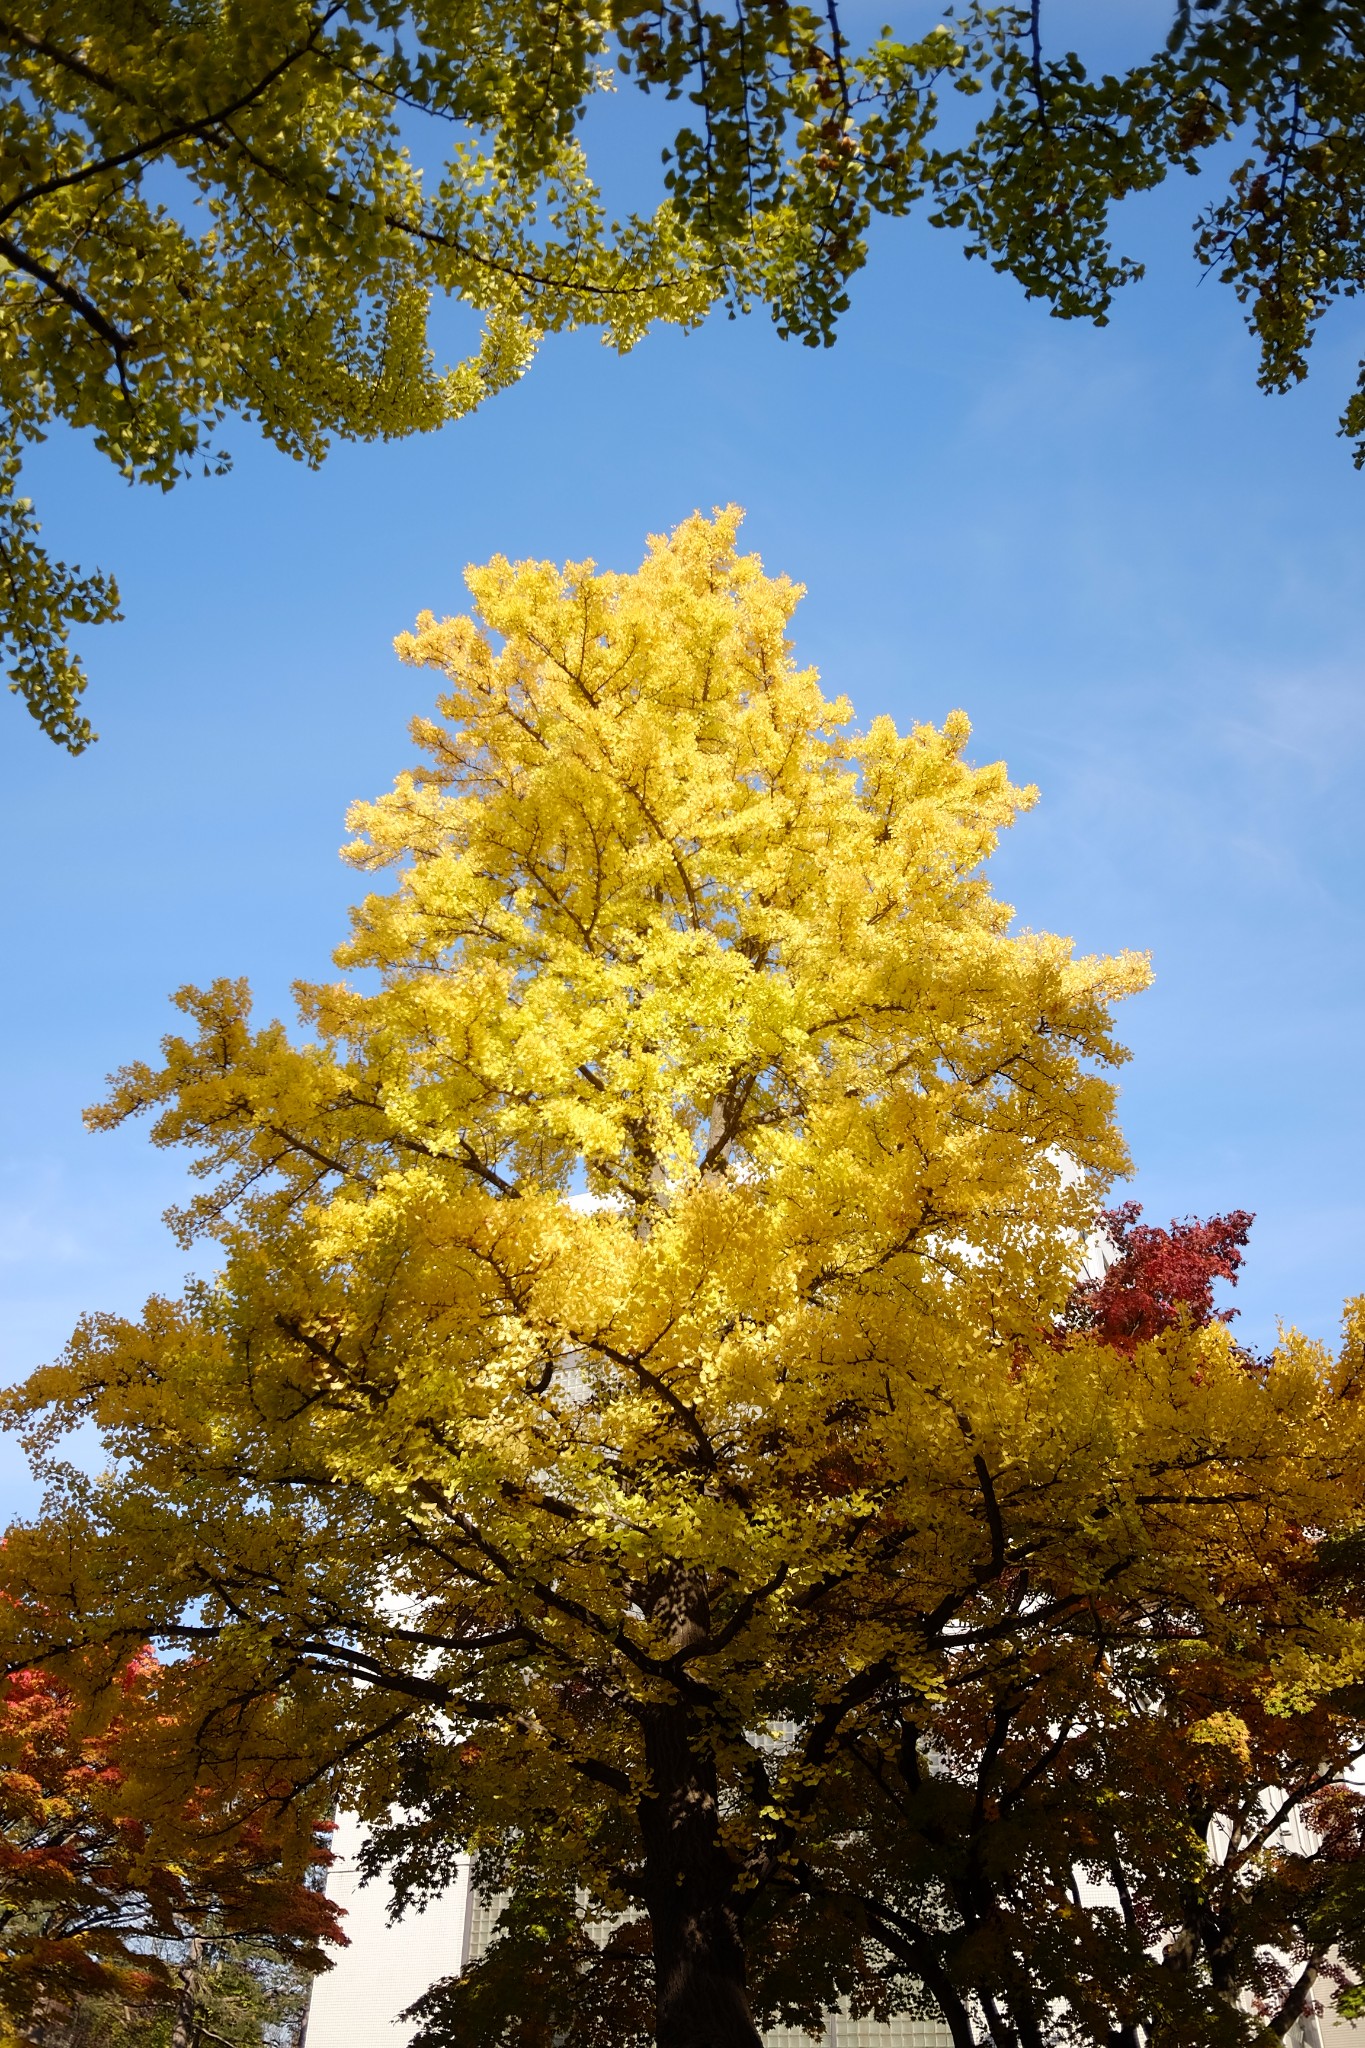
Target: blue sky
(1142, 579)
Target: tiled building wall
(903, 2032)
(843, 2032)
(484, 1908)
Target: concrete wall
(356, 2003)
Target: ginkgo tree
(1126, 1828)
(1136, 1835)
(248, 212)
(634, 1346)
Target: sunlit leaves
(638, 1319)
(251, 211)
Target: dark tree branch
(120, 343)
(180, 131)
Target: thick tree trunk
(187, 2004)
(700, 1994)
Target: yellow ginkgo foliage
(635, 1343)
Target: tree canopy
(1140, 1839)
(638, 1369)
(113, 1928)
(211, 211)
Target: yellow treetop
(636, 1324)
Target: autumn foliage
(97, 1899)
(218, 212)
(1153, 1278)
(644, 1428)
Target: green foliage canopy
(214, 208)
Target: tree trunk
(1296, 2000)
(1002, 2033)
(911, 1946)
(186, 2027)
(700, 1997)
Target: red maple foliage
(92, 1891)
(1157, 1278)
